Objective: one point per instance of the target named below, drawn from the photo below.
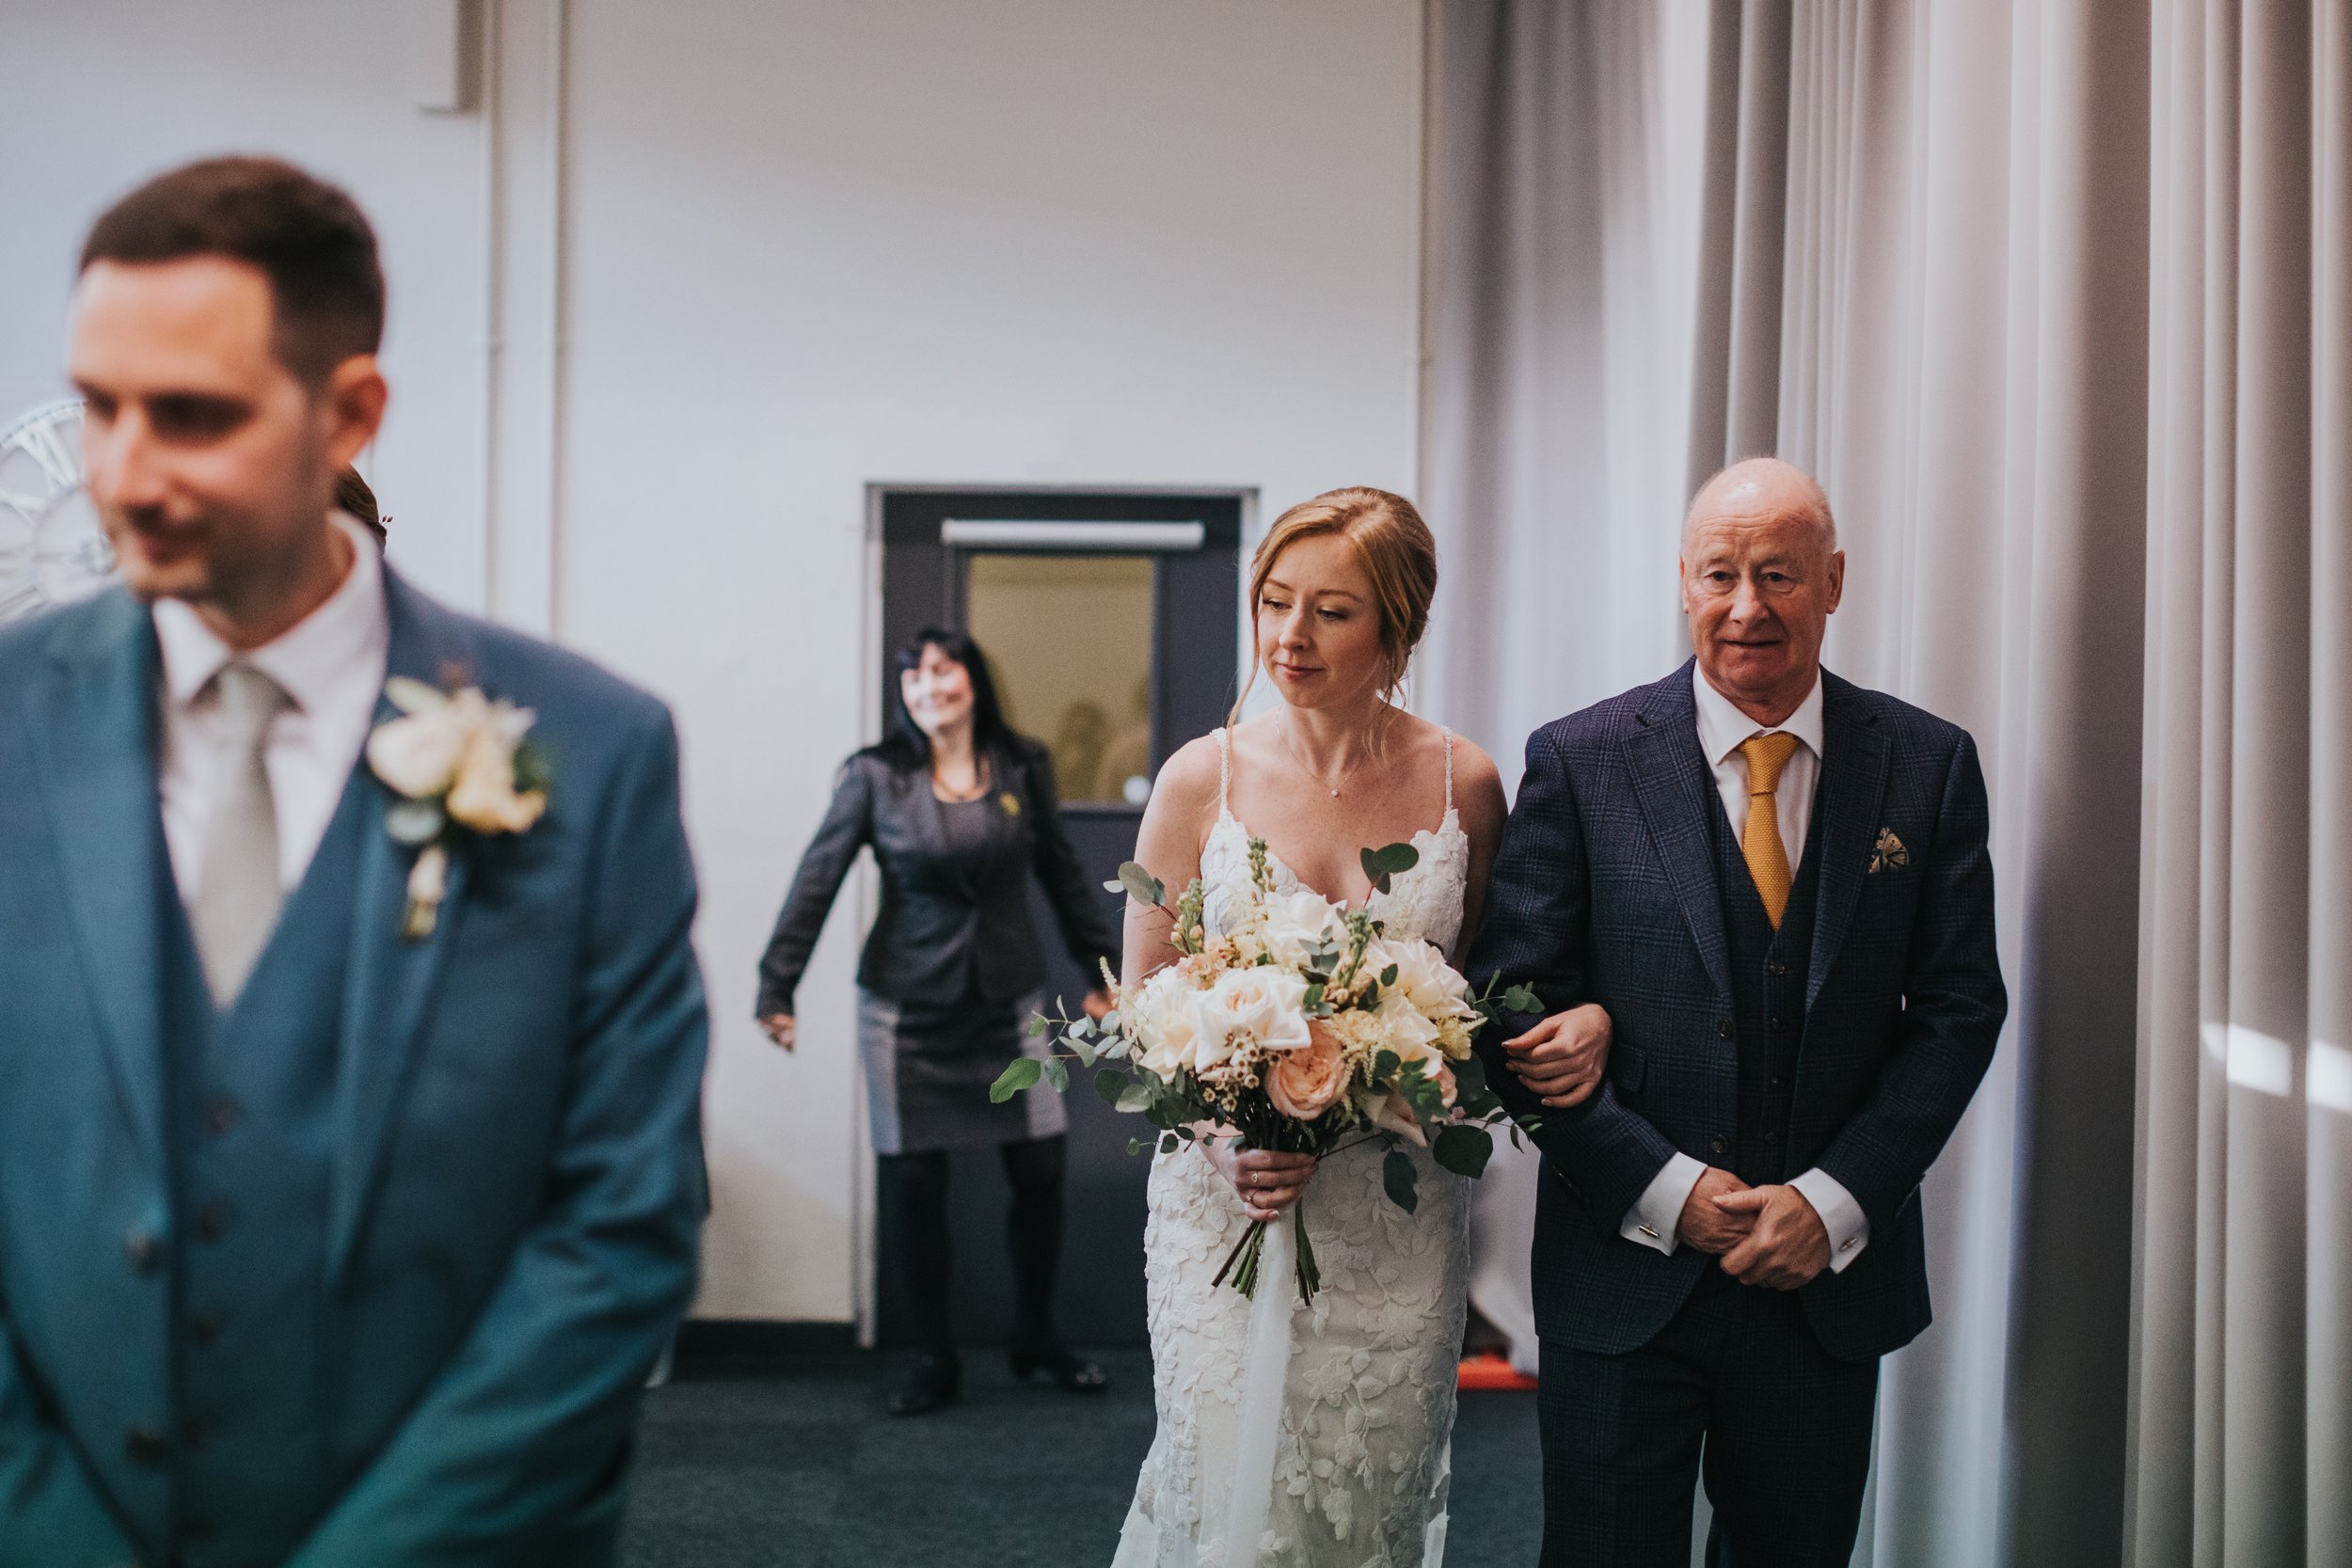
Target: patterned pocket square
(1888, 852)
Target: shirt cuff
(1841, 1217)
(1653, 1220)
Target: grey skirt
(928, 1068)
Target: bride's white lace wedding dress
(1319, 1434)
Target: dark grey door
(1111, 625)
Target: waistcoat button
(144, 1249)
(1724, 1027)
(146, 1445)
(1718, 1144)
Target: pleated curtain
(2052, 296)
(2241, 1443)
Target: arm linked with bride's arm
(1533, 934)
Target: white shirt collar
(307, 659)
(1722, 726)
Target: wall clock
(52, 550)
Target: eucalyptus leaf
(1470, 1078)
(1111, 1084)
(1169, 1143)
(1381, 865)
(1057, 1074)
(1387, 975)
(534, 768)
(1140, 885)
(1401, 1179)
(415, 822)
(1020, 1073)
(1131, 1098)
(1519, 999)
(1039, 1023)
(1136, 1147)
(1384, 1066)
(1085, 1052)
(1464, 1150)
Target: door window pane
(1069, 640)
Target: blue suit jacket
(514, 1155)
(1605, 890)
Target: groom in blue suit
(344, 1205)
(1777, 884)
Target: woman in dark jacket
(958, 810)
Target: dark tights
(1032, 1233)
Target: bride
(1334, 1449)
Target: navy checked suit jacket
(1605, 890)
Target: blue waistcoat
(249, 1093)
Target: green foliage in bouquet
(1385, 1096)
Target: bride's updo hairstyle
(1393, 546)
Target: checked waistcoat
(1767, 981)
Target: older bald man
(1777, 883)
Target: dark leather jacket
(955, 919)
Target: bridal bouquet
(1301, 1028)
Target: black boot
(935, 1381)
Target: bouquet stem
(1242, 1262)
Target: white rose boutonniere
(457, 761)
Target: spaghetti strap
(1449, 768)
(1224, 773)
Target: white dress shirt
(331, 666)
(1722, 728)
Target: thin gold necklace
(1292, 750)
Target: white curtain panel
(2052, 296)
(2242, 1330)
(1565, 200)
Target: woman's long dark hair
(906, 746)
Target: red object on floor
(1490, 1371)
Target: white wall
(788, 249)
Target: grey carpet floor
(798, 1467)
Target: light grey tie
(237, 893)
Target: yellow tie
(1766, 855)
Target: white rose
(484, 798)
(1412, 1037)
(417, 755)
(1262, 1006)
(1295, 925)
(1165, 1024)
(1424, 978)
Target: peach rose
(1304, 1084)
